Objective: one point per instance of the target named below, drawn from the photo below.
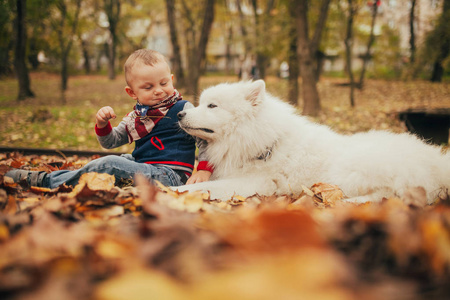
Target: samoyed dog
(258, 144)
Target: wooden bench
(431, 124)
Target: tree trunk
(243, 28)
(315, 42)
(64, 71)
(176, 58)
(438, 72)
(198, 61)
(228, 54)
(262, 61)
(412, 35)
(444, 44)
(369, 44)
(7, 36)
(20, 51)
(112, 59)
(86, 56)
(307, 48)
(349, 49)
(66, 40)
(112, 10)
(294, 72)
(246, 41)
(33, 52)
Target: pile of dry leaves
(100, 241)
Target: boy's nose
(181, 115)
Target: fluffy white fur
(241, 122)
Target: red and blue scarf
(143, 118)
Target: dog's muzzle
(181, 115)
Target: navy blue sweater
(167, 144)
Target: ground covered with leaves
(143, 241)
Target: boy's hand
(103, 115)
(199, 176)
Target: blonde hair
(147, 56)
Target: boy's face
(150, 84)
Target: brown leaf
(98, 185)
(327, 193)
(16, 164)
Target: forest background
(61, 60)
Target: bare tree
(112, 11)
(176, 59)
(352, 9)
(367, 55)
(243, 28)
(293, 63)
(262, 27)
(307, 47)
(412, 35)
(6, 37)
(20, 66)
(441, 35)
(65, 25)
(200, 58)
(196, 38)
(86, 55)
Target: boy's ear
(130, 92)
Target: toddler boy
(162, 151)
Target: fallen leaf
(327, 193)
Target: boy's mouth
(161, 99)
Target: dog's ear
(256, 91)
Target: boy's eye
(163, 83)
(211, 105)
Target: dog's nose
(181, 115)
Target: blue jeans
(122, 166)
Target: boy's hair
(147, 56)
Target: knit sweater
(165, 145)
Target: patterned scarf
(141, 121)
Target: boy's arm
(204, 169)
(203, 163)
(110, 137)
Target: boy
(162, 151)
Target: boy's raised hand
(103, 116)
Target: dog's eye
(211, 105)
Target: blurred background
(351, 64)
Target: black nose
(181, 115)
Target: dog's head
(222, 108)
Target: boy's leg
(119, 166)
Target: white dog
(258, 144)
